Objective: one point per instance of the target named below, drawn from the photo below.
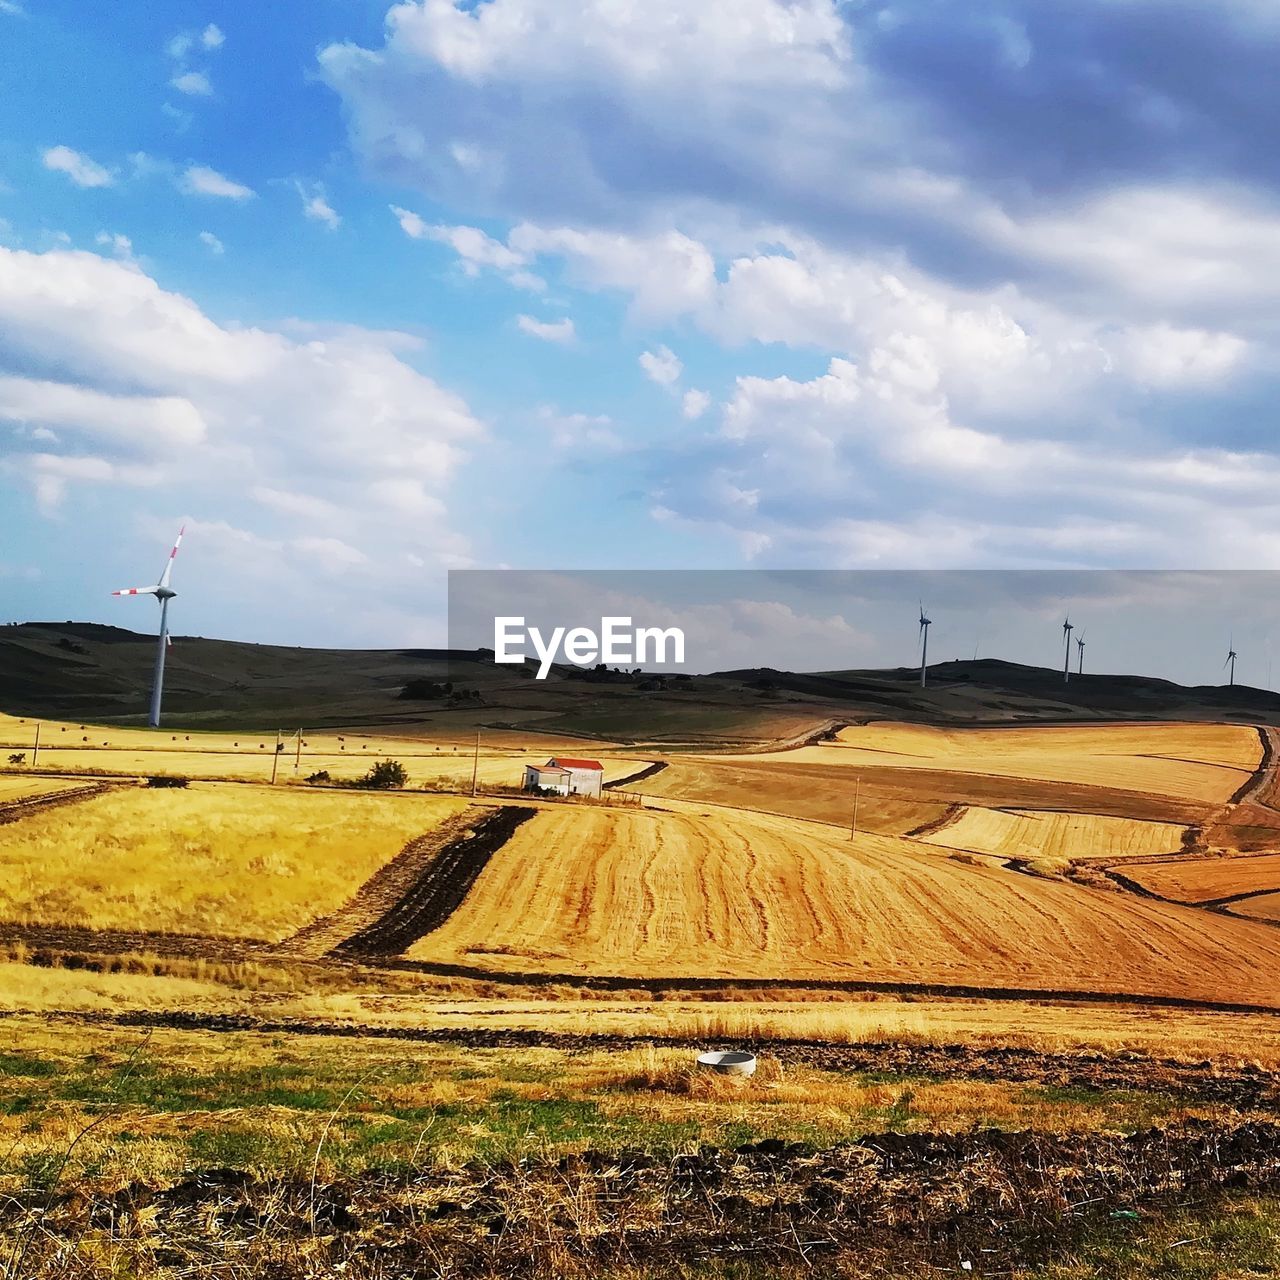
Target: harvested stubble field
(431, 760)
(1266, 906)
(241, 862)
(1209, 879)
(733, 895)
(1204, 763)
(16, 787)
(1055, 839)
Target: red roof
(565, 762)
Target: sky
(364, 293)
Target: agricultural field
(1266, 906)
(1204, 763)
(731, 895)
(1054, 839)
(15, 787)
(1209, 879)
(442, 761)
(242, 861)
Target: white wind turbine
(1231, 659)
(1067, 629)
(164, 594)
(925, 624)
(1080, 653)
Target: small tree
(385, 775)
(18, 757)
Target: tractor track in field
(1244, 1087)
(415, 893)
(947, 818)
(13, 810)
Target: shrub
(385, 775)
(18, 757)
(160, 780)
(320, 775)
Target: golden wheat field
(248, 756)
(230, 861)
(1198, 762)
(1055, 838)
(15, 787)
(749, 896)
(1208, 879)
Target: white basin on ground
(730, 1062)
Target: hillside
(84, 671)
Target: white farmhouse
(566, 776)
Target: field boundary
(13, 810)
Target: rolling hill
(85, 671)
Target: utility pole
(35, 751)
(297, 758)
(857, 792)
(275, 759)
(475, 764)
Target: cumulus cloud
(212, 38)
(212, 243)
(119, 244)
(561, 331)
(694, 404)
(200, 180)
(662, 366)
(106, 378)
(83, 171)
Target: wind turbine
(1067, 629)
(925, 624)
(1080, 654)
(1231, 658)
(164, 594)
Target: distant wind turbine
(1231, 659)
(1080, 653)
(1067, 629)
(164, 594)
(925, 624)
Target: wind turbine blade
(137, 591)
(173, 555)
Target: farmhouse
(565, 775)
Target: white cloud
(12, 8)
(83, 171)
(662, 366)
(194, 83)
(212, 38)
(323, 420)
(475, 249)
(200, 180)
(212, 243)
(119, 244)
(179, 46)
(1161, 355)
(695, 404)
(581, 431)
(153, 423)
(316, 206)
(548, 331)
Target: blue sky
(362, 293)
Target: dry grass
(234, 862)
(732, 895)
(444, 761)
(1197, 762)
(1204, 879)
(1056, 839)
(166, 1100)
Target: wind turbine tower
(1067, 629)
(925, 624)
(163, 593)
(1231, 661)
(1080, 654)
